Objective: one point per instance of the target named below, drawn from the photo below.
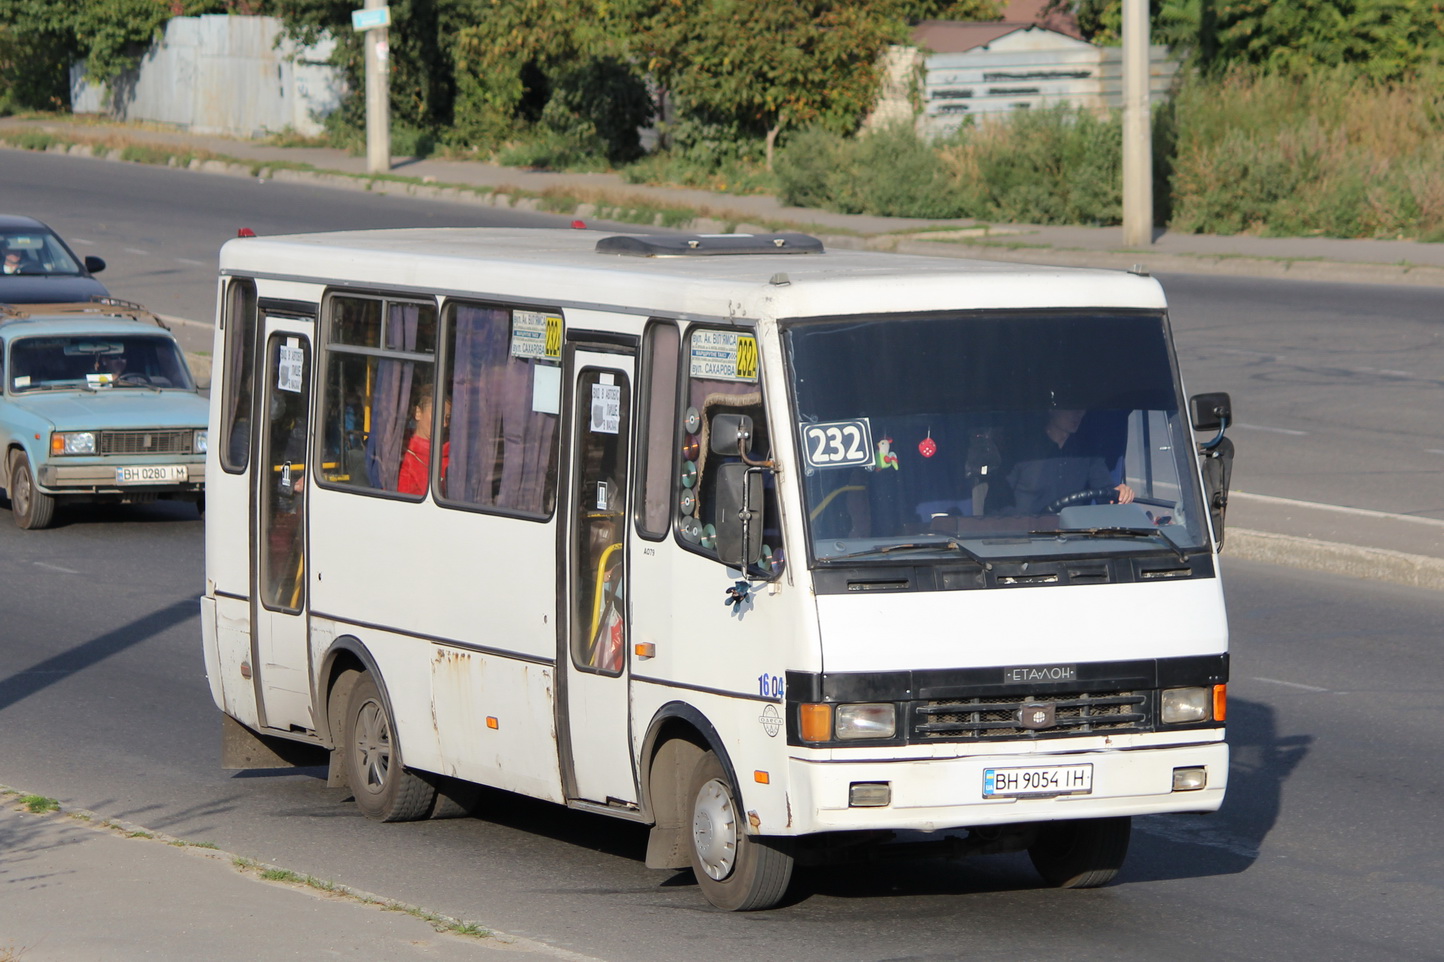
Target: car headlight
(864, 721)
(1183, 705)
(201, 441)
(72, 442)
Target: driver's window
(723, 371)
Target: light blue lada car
(98, 405)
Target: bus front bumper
(949, 793)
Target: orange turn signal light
(815, 722)
(1220, 702)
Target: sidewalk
(74, 889)
(1318, 258)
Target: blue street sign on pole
(371, 19)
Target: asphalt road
(1328, 845)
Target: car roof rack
(702, 245)
(97, 306)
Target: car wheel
(33, 508)
(736, 871)
(383, 788)
(1081, 854)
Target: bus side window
(659, 429)
(502, 389)
(240, 363)
(731, 386)
(379, 370)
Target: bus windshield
(996, 435)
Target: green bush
(888, 172)
(1061, 165)
(1332, 153)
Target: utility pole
(377, 52)
(1137, 128)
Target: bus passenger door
(596, 698)
(279, 641)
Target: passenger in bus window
(1054, 464)
(416, 461)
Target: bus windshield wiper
(947, 544)
(1153, 534)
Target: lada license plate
(152, 474)
(1043, 780)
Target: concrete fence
(221, 74)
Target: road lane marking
(1261, 427)
(136, 250)
(45, 564)
(1337, 508)
(188, 261)
(1291, 684)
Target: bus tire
(375, 769)
(33, 508)
(736, 871)
(1081, 854)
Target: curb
(1375, 564)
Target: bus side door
(282, 481)
(596, 674)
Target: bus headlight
(200, 442)
(1183, 705)
(864, 721)
(72, 442)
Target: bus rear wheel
(383, 788)
(1081, 854)
(736, 871)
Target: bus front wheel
(1081, 854)
(736, 871)
(383, 788)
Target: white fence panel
(221, 74)
(984, 83)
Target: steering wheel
(1106, 495)
(132, 377)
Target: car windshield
(35, 252)
(100, 362)
(998, 435)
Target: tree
(757, 67)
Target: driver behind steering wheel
(1053, 464)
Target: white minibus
(787, 553)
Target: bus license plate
(152, 474)
(1048, 780)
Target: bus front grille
(959, 719)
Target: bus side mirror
(739, 513)
(729, 431)
(1211, 412)
(1217, 464)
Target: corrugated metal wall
(221, 75)
(982, 83)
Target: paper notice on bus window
(288, 366)
(724, 356)
(546, 389)
(606, 408)
(536, 334)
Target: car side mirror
(739, 514)
(1210, 412)
(94, 264)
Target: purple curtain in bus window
(391, 401)
(500, 447)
